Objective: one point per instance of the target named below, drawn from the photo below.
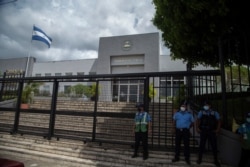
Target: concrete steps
(107, 128)
(76, 153)
(72, 153)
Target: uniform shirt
(140, 115)
(244, 130)
(183, 119)
(208, 112)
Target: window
(169, 86)
(58, 74)
(80, 74)
(67, 89)
(46, 87)
(68, 74)
(45, 90)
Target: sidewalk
(31, 162)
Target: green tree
(236, 75)
(81, 89)
(180, 96)
(91, 91)
(191, 29)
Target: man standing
(183, 121)
(244, 131)
(208, 125)
(141, 129)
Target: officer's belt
(182, 129)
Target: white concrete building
(138, 53)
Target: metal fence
(101, 108)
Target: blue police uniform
(216, 114)
(244, 131)
(208, 124)
(183, 121)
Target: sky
(75, 26)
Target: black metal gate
(104, 113)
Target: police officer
(244, 131)
(182, 121)
(208, 125)
(141, 129)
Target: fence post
(2, 87)
(146, 90)
(17, 113)
(95, 111)
(223, 84)
(189, 82)
(53, 109)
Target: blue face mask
(248, 120)
(205, 107)
(182, 108)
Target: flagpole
(27, 64)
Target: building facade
(138, 53)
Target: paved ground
(32, 162)
(29, 162)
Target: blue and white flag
(39, 35)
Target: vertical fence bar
(17, 114)
(95, 111)
(223, 83)
(53, 109)
(146, 88)
(2, 87)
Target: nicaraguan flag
(39, 35)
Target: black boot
(187, 161)
(199, 159)
(145, 155)
(217, 163)
(175, 159)
(134, 155)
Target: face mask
(183, 108)
(248, 120)
(206, 107)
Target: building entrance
(128, 91)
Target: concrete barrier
(229, 147)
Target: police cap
(138, 105)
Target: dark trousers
(244, 158)
(141, 137)
(180, 135)
(209, 136)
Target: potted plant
(92, 91)
(28, 93)
(151, 92)
(179, 97)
